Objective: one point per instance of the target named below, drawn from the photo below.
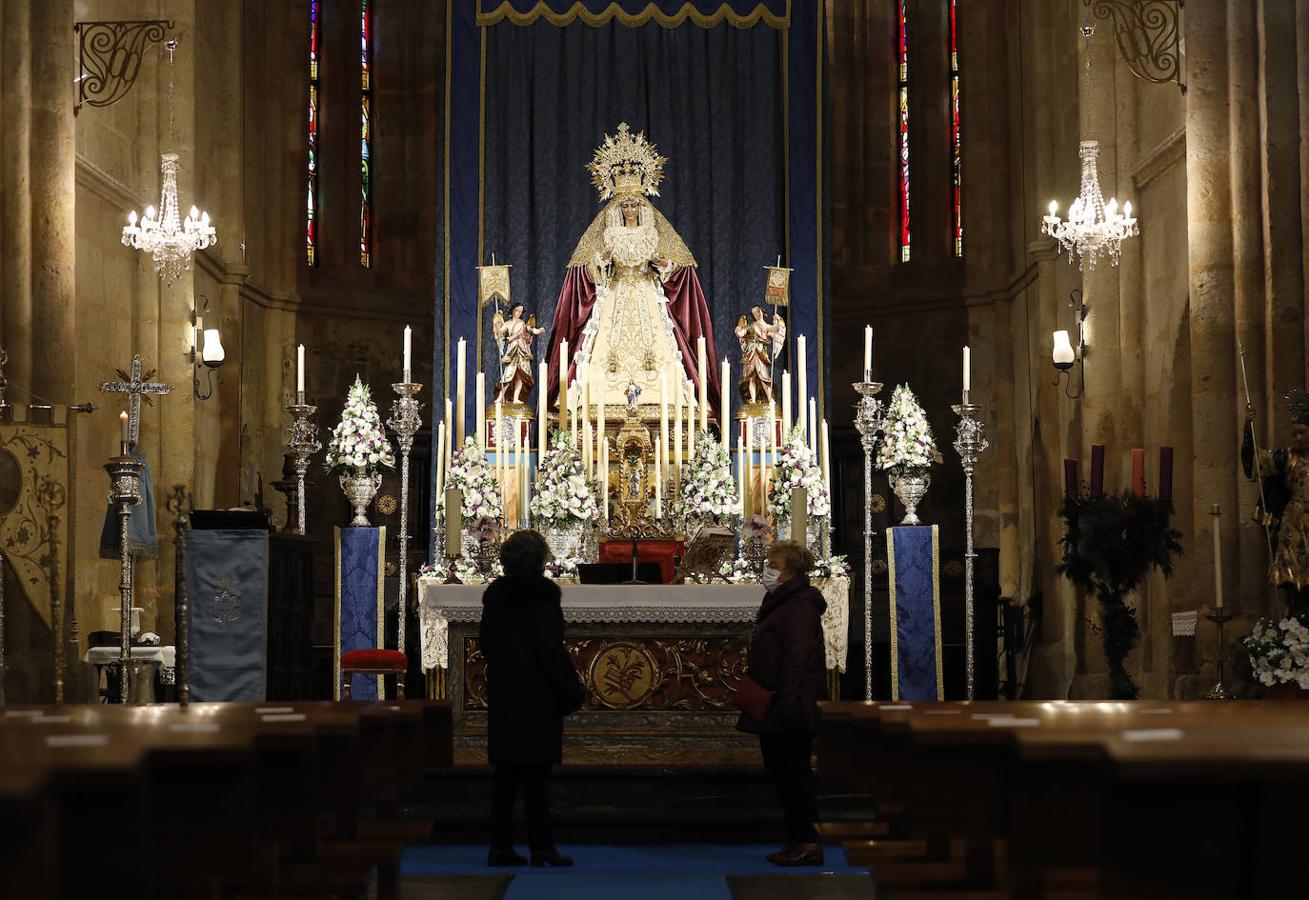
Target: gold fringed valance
(505, 12)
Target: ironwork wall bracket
(109, 57)
(1149, 34)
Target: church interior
(878, 428)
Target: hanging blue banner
(913, 555)
(360, 603)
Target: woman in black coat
(787, 657)
(530, 686)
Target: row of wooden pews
(1073, 799)
(218, 799)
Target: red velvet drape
(686, 306)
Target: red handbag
(752, 698)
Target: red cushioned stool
(373, 662)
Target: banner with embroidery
(227, 582)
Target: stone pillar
(1210, 278)
(15, 193)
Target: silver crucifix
(135, 386)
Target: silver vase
(360, 489)
(564, 541)
(910, 485)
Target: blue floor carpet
(651, 872)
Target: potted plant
(907, 451)
(359, 449)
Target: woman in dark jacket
(530, 686)
(787, 658)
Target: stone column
(1210, 277)
(15, 193)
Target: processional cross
(136, 386)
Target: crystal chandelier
(1093, 227)
(165, 236)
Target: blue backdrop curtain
(729, 90)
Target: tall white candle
(740, 478)
(461, 402)
(724, 422)
(702, 374)
(500, 449)
(519, 470)
(663, 417)
(409, 348)
(588, 460)
(300, 372)
(827, 462)
(802, 394)
(480, 414)
(454, 521)
(772, 427)
(678, 399)
(690, 429)
(449, 431)
(563, 385)
(604, 477)
(749, 469)
(542, 372)
(786, 404)
(811, 425)
(968, 369)
(440, 457)
(868, 349)
(1216, 514)
(659, 486)
(600, 420)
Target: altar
(660, 664)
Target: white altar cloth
(440, 604)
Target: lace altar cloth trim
(441, 604)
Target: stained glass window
(956, 146)
(902, 81)
(365, 135)
(311, 203)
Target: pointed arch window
(365, 134)
(311, 203)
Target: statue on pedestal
(1284, 499)
(760, 343)
(514, 337)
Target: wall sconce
(1066, 355)
(206, 350)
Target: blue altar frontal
(913, 554)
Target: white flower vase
(910, 485)
(564, 541)
(360, 489)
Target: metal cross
(135, 386)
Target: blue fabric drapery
(729, 90)
(227, 583)
(914, 560)
(360, 603)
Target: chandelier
(165, 235)
(1093, 228)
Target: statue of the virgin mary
(631, 305)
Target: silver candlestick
(303, 443)
(124, 491)
(868, 421)
(969, 443)
(405, 422)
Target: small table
(145, 661)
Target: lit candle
(663, 417)
(300, 374)
(461, 400)
(481, 410)
(723, 382)
(786, 404)
(454, 521)
(409, 348)
(802, 393)
(124, 439)
(1218, 556)
(702, 373)
(868, 352)
(563, 384)
(542, 372)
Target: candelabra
(125, 492)
(1219, 691)
(404, 422)
(303, 444)
(179, 504)
(969, 443)
(868, 420)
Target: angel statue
(760, 342)
(514, 338)
(1284, 499)
(631, 302)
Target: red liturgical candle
(1070, 477)
(1097, 470)
(1166, 473)
(1138, 471)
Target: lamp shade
(1063, 350)
(212, 351)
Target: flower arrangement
(472, 474)
(465, 570)
(1279, 652)
(708, 490)
(755, 528)
(563, 495)
(907, 441)
(834, 566)
(359, 442)
(797, 466)
(738, 571)
(564, 569)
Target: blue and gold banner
(358, 619)
(227, 586)
(913, 556)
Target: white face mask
(769, 577)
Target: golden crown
(626, 164)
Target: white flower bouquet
(906, 441)
(797, 466)
(708, 490)
(562, 495)
(358, 442)
(564, 569)
(465, 570)
(1279, 652)
(472, 474)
